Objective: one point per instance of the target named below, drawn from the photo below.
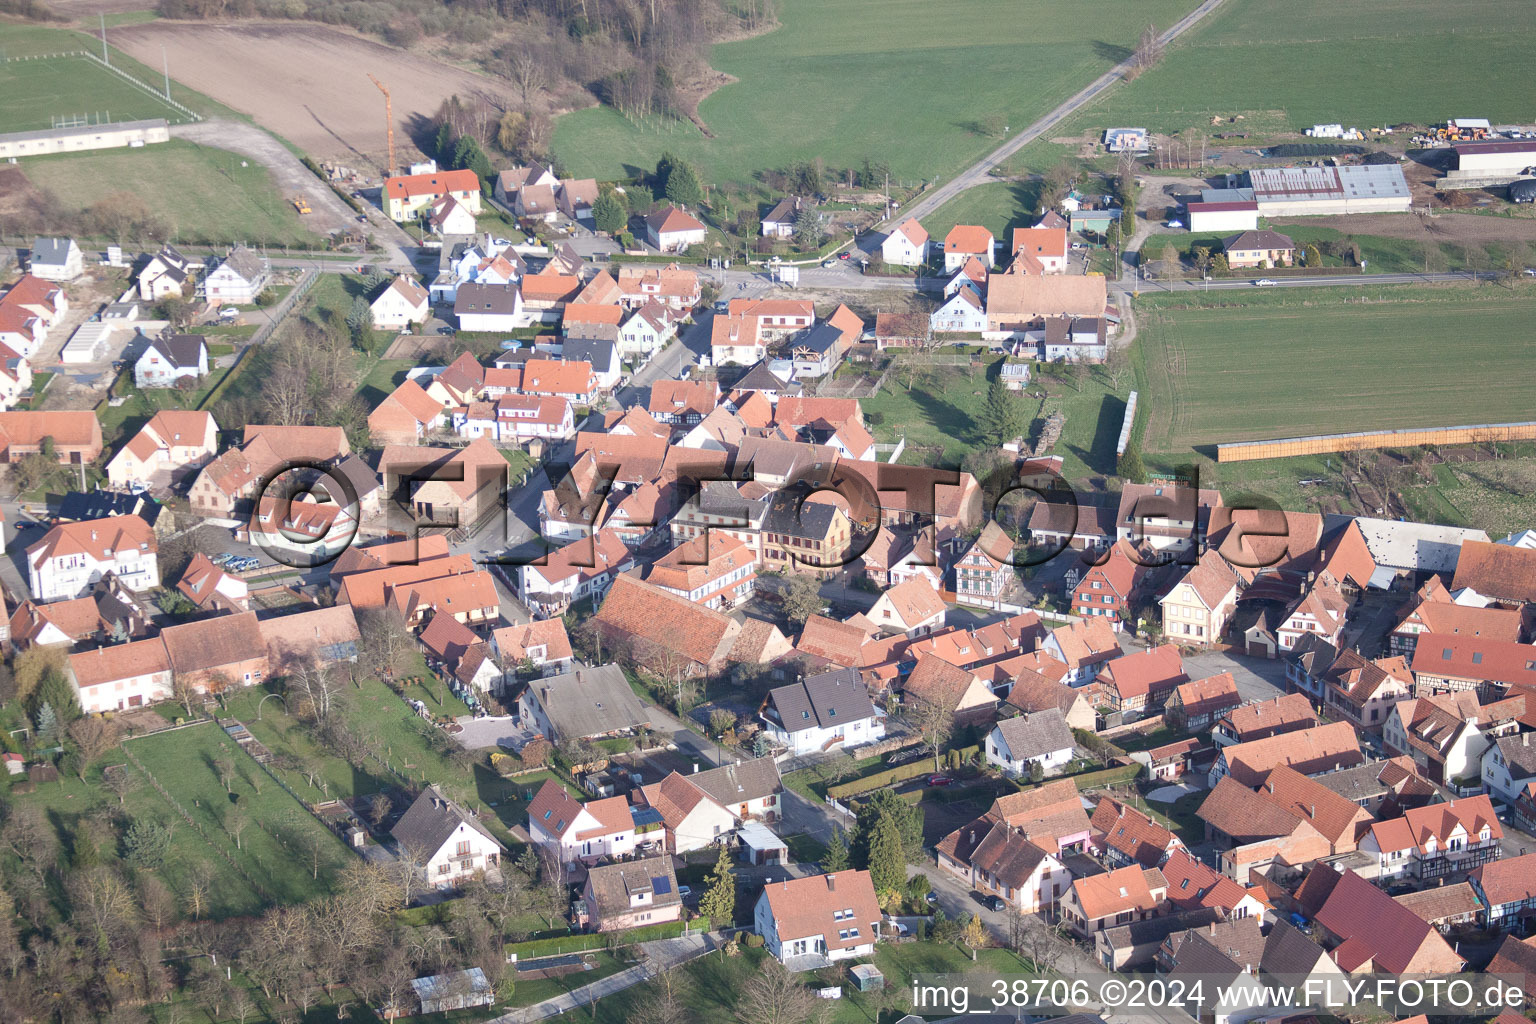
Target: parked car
(940, 780)
(845, 255)
(898, 927)
(931, 898)
(1264, 282)
(684, 892)
(829, 265)
(988, 900)
(229, 312)
(1174, 222)
(222, 557)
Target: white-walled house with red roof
(813, 921)
(73, 556)
(560, 825)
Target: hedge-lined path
(663, 954)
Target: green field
(906, 82)
(1219, 367)
(34, 93)
(199, 194)
(998, 206)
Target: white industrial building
(1488, 163)
(1329, 191)
(84, 137)
(1238, 216)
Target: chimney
(832, 882)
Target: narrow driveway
(663, 953)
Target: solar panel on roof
(661, 886)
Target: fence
(1317, 444)
(275, 320)
(190, 114)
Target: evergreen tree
(719, 903)
(1131, 468)
(908, 819)
(360, 316)
(887, 862)
(442, 145)
(807, 228)
(609, 214)
(55, 691)
(683, 188)
(464, 152)
(47, 724)
(664, 168)
(837, 852)
(1313, 256)
(1003, 415)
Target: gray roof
(1289, 956)
(595, 333)
(826, 700)
(1422, 547)
(1357, 181)
(589, 702)
(1519, 754)
(246, 263)
(759, 378)
(180, 350)
(51, 251)
(356, 472)
(1362, 782)
(737, 783)
(789, 516)
(820, 339)
(1145, 936)
(1036, 733)
(602, 354)
(431, 820)
(485, 298)
(784, 211)
(1246, 240)
(722, 497)
(612, 885)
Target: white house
(241, 277)
(1509, 765)
(648, 328)
(166, 273)
(583, 568)
(912, 607)
(121, 676)
(560, 825)
(601, 354)
(822, 711)
(515, 419)
(448, 216)
(779, 222)
(671, 230)
(489, 307)
(692, 818)
(588, 703)
(735, 339)
(907, 246)
(15, 376)
(403, 303)
(1018, 744)
(964, 312)
(57, 259)
(72, 556)
(447, 841)
(965, 241)
(815, 920)
(170, 358)
(173, 439)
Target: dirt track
(307, 82)
(1460, 228)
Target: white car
(229, 312)
(1264, 282)
(1175, 223)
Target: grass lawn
(33, 93)
(999, 206)
(119, 423)
(906, 82)
(200, 194)
(938, 416)
(275, 848)
(536, 991)
(1217, 368)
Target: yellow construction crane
(389, 123)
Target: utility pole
(106, 58)
(165, 62)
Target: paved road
(978, 173)
(668, 953)
(294, 178)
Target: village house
(985, 573)
(584, 568)
(665, 631)
(691, 819)
(73, 556)
(542, 645)
(448, 842)
(1445, 663)
(211, 589)
(1047, 247)
(715, 570)
(1311, 751)
(1108, 590)
(215, 654)
(1194, 706)
(1432, 610)
(588, 703)
(1320, 611)
(1368, 931)
(1199, 607)
(1263, 249)
(407, 196)
(56, 259)
(489, 307)
(447, 218)
(1507, 890)
(120, 677)
(963, 312)
(818, 919)
(1017, 303)
(456, 651)
(748, 789)
(1435, 840)
(959, 692)
(238, 279)
(1084, 647)
(1126, 836)
(402, 304)
(1509, 767)
(171, 444)
(456, 486)
(510, 182)
(1264, 718)
(906, 246)
(1031, 691)
(1131, 893)
(671, 230)
(821, 712)
(813, 536)
(779, 222)
(405, 416)
(171, 358)
(965, 241)
(913, 608)
(646, 330)
(1134, 684)
(673, 287)
(1032, 744)
(1363, 692)
(166, 274)
(631, 894)
(734, 339)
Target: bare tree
(1117, 367)
(316, 685)
(934, 721)
(410, 870)
(385, 640)
(199, 880)
(236, 821)
(773, 996)
(92, 737)
(185, 692)
(527, 70)
(225, 769)
(1149, 51)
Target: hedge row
(890, 776)
(577, 943)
